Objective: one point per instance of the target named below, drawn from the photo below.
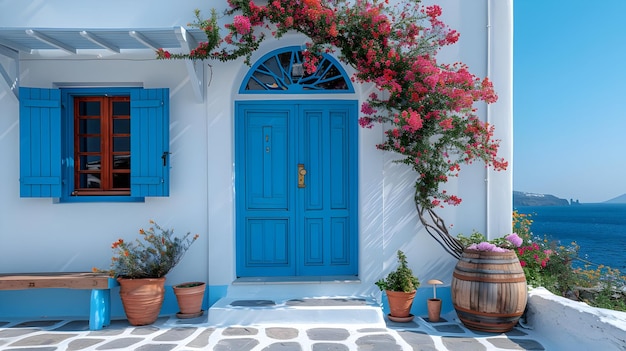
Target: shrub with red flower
(426, 107)
(544, 262)
(533, 259)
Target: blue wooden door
(296, 188)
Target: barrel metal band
(487, 314)
(486, 271)
(486, 279)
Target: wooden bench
(100, 285)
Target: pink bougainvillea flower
(242, 24)
(446, 123)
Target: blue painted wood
(265, 239)
(284, 230)
(329, 204)
(40, 142)
(272, 74)
(149, 142)
(99, 309)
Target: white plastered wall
(40, 235)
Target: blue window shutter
(149, 142)
(40, 142)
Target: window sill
(100, 198)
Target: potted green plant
(189, 296)
(400, 286)
(140, 267)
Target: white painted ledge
(572, 325)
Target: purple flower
(485, 246)
(514, 239)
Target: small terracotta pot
(434, 309)
(400, 303)
(189, 297)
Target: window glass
(89, 163)
(90, 180)
(121, 180)
(121, 144)
(121, 108)
(121, 126)
(89, 144)
(121, 162)
(89, 108)
(89, 126)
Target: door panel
(268, 242)
(284, 229)
(265, 224)
(266, 160)
(330, 239)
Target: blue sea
(599, 229)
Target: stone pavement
(170, 333)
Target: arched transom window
(281, 71)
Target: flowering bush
(153, 256)
(479, 242)
(548, 263)
(427, 108)
(545, 263)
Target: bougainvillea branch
(427, 108)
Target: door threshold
(327, 279)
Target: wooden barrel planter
(489, 290)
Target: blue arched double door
(296, 181)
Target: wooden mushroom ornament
(434, 304)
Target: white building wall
(40, 235)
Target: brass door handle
(301, 174)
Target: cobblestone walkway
(170, 333)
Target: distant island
(521, 198)
(617, 200)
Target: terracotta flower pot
(434, 310)
(142, 299)
(400, 304)
(189, 297)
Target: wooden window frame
(106, 151)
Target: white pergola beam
(50, 41)
(99, 41)
(15, 46)
(194, 68)
(13, 56)
(144, 40)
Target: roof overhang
(77, 41)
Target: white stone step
(356, 311)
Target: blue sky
(570, 98)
